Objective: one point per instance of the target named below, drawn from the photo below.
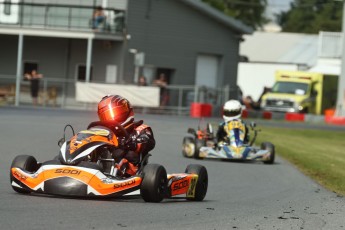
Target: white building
(267, 52)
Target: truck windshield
(290, 88)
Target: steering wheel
(117, 128)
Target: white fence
(62, 93)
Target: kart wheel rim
(189, 149)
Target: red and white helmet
(232, 110)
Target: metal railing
(182, 96)
(60, 92)
(54, 16)
(52, 91)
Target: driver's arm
(221, 134)
(246, 135)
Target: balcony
(72, 18)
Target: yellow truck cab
(302, 92)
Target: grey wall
(52, 55)
(49, 53)
(8, 54)
(58, 57)
(105, 53)
(172, 34)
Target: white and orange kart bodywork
(72, 181)
(79, 170)
(81, 181)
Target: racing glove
(133, 140)
(142, 138)
(131, 143)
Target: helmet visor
(231, 113)
(114, 114)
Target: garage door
(207, 70)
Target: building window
(7, 7)
(82, 73)
(29, 66)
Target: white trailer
(253, 77)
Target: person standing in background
(98, 18)
(162, 83)
(142, 81)
(34, 78)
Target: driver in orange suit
(140, 140)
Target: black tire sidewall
(270, 147)
(154, 183)
(24, 162)
(202, 183)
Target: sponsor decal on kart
(177, 178)
(97, 132)
(124, 184)
(191, 189)
(19, 176)
(180, 185)
(68, 171)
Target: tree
(250, 12)
(312, 16)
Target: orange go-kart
(88, 165)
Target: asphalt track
(240, 195)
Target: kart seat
(52, 162)
(91, 165)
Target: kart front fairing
(234, 153)
(73, 181)
(84, 143)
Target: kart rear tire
(154, 184)
(202, 183)
(270, 147)
(198, 144)
(188, 147)
(27, 163)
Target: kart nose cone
(65, 186)
(67, 180)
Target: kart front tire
(202, 183)
(270, 147)
(154, 184)
(25, 162)
(188, 147)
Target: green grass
(317, 153)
